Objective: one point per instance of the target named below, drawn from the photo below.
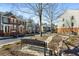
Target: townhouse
(68, 22)
(10, 24)
(32, 27)
(45, 27)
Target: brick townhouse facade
(9, 23)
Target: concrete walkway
(50, 38)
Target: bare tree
(70, 24)
(53, 12)
(49, 11)
(36, 9)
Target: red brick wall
(17, 23)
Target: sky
(72, 5)
(9, 7)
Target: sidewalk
(1, 38)
(11, 41)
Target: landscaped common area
(69, 46)
(39, 29)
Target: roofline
(66, 11)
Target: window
(4, 19)
(8, 20)
(63, 22)
(14, 20)
(0, 18)
(2, 27)
(11, 20)
(20, 22)
(63, 19)
(5, 28)
(23, 23)
(8, 28)
(63, 25)
(72, 24)
(72, 17)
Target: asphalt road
(6, 40)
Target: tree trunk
(40, 17)
(40, 25)
(51, 27)
(50, 19)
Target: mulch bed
(13, 51)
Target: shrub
(7, 47)
(71, 39)
(17, 43)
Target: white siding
(67, 18)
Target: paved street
(6, 40)
(11, 40)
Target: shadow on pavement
(74, 51)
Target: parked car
(14, 33)
(1, 33)
(21, 35)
